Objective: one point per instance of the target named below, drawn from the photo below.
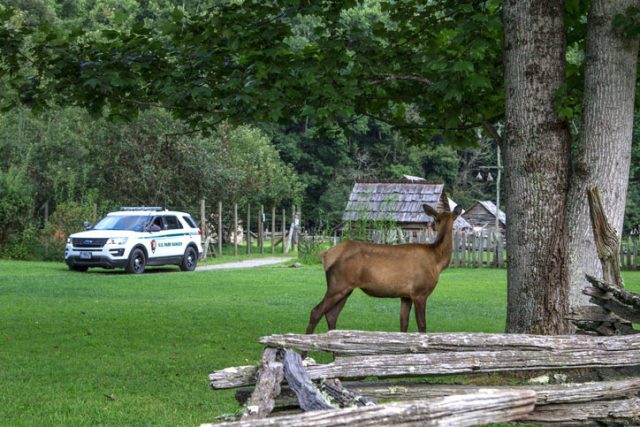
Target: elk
(408, 271)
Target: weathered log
(343, 397)
(362, 343)
(405, 390)
(309, 397)
(617, 308)
(454, 363)
(463, 410)
(592, 313)
(233, 377)
(270, 375)
(622, 295)
(603, 328)
(606, 412)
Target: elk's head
(443, 216)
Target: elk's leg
(405, 310)
(334, 312)
(421, 313)
(329, 300)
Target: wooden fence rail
(395, 355)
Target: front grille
(88, 242)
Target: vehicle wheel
(137, 261)
(189, 260)
(80, 268)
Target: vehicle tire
(189, 260)
(81, 268)
(136, 263)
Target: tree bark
(537, 157)
(604, 153)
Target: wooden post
(203, 221)
(284, 228)
(261, 229)
(456, 242)
(248, 228)
(292, 234)
(299, 229)
(273, 230)
(219, 228)
(46, 222)
(235, 229)
(500, 249)
(270, 375)
(635, 254)
(463, 262)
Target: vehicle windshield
(123, 222)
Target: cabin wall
(478, 216)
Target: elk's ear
(444, 201)
(430, 211)
(457, 211)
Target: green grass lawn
(105, 348)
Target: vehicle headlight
(117, 241)
(68, 239)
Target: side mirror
(87, 225)
(153, 229)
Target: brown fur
(409, 272)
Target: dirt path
(244, 264)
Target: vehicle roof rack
(142, 208)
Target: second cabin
(482, 216)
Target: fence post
(635, 254)
(248, 228)
(46, 222)
(456, 250)
(299, 228)
(283, 226)
(219, 228)
(463, 250)
(235, 229)
(292, 230)
(203, 222)
(500, 254)
(273, 230)
(261, 229)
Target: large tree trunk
(536, 154)
(605, 143)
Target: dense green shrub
(310, 250)
(67, 219)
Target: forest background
(70, 160)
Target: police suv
(135, 237)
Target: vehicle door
(157, 238)
(174, 242)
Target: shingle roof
(491, 207)
(400, 202)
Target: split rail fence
(281, 384)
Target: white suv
(133, 238)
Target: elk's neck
(443, 245)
